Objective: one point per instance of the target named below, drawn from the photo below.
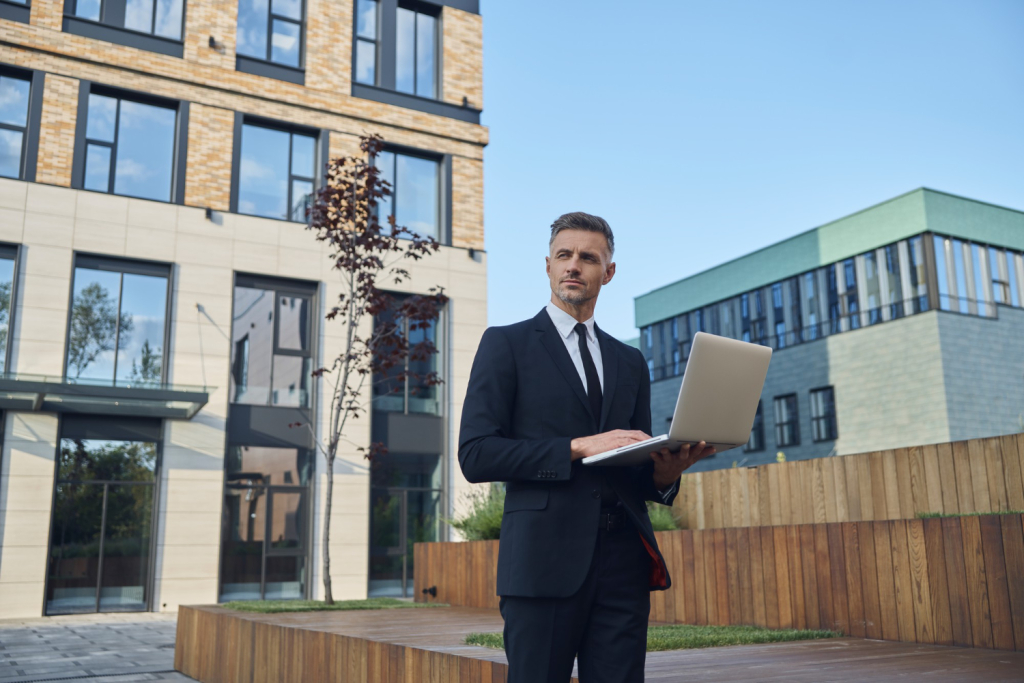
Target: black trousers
(604, 625)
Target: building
(162, 305)
(896, 326)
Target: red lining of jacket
(659, 572)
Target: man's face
(578, 265)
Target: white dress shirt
(565, 324)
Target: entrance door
(102, 527)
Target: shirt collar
(566, 324)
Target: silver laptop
(717, 400)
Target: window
(823, 414)
(796, 318)
(8, 256)
(271, 348)
(810, 305)
(756, 440)
(850, 282)
(265, 527)
(835, 312)
(963, 303)
(942, 273)
(413, 394)
(981, 288)
(276, 171)
(1011, 273)
(918, 277)
(416, 53)
(271, 31)
(894, 287)
(415, 199)
(787, 425)
(129, 147)
(872, 288)
(154, 25)
(367, 41)
(779, 311)
(117, 326)
(14, 107)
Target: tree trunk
(328, 595)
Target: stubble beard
(572, 298)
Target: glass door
(102, 527)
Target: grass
(275, 606)
(686, 637)
(934, 515)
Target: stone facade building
(162, 304)
(900, 325)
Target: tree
(365, 253)
(94, 327)
(149, 366)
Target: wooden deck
(426, 646)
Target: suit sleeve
(644, 474)
(487, 450)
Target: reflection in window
(265, 523)
(835, 312)
(416, 53)
(823, 414)
(366, 41)
(275, 179)
(1011, 273)
(129, 147)
(894, 287)
(787, 425)
(271, 360)
(850, 282)
(156, 17)
(962, 303)
(810, 305)
(414, 394)
(980, 286)
(942, 273)
(415, 192)
(779, 311)
(14, 96)
(117, 325)
(872, 289)
(756, 440)
(271, 30)
(102, 523)
(918, 277)
(7, 257)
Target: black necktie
(590, 370)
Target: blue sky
(703, 131)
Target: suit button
(596, 494)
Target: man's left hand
(669, 465)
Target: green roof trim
(909, 214)
(634, 342)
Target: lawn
(275, 606)
(686, 637)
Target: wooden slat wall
(952, 581)
(214, 646)
(982, 475)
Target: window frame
(321, 143)
(119, 33)
(133, 266)
(376, 41)
(444, 199)
(16, 11)
(831, 420)
(178, 164)
(426, 9)
(30, 133)
(794, 421)
(265, 66)
(14, 251)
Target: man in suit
(577, 557)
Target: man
(577, 558)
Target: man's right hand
(585, 446)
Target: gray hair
(577, 220)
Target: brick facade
(463, 57)
(208, 170)
(57, 130)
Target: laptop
(717, 400)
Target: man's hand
(669, 465)
(585, 446)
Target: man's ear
(609, 273)
(547, 265)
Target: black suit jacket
(524, 405)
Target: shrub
(662, 517)
(482, 522)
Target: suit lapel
(556, 349)
(610, 363)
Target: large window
(8, 259)
(416, 192)
(756, 440)
(276, 171)
(102, 523)
(918, 273)
(271, 30)
(823, 414)
(367, 41)
(156, 17)
(787, 423)
(894, 286)
(271, 343)
(416, 52)
(117, 326)
(14, 121)
(265, 528)
(392, 393)
(129, 147)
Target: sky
(704, 131)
